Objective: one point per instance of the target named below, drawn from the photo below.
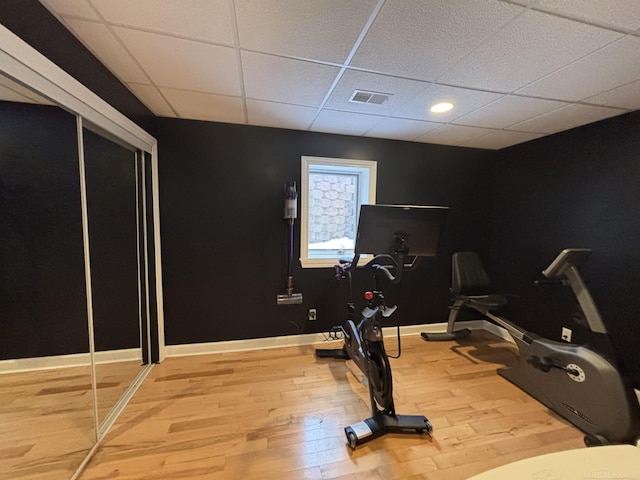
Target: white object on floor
(606, 462)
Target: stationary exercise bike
(578, 383)
(395, 233)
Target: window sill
(318, 262)
(331, 262)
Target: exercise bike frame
(364, 344)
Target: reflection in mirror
(110, 171)
(46, 402)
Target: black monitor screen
(381, 228)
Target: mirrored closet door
(114, 209)
(79, 266)
(46, 398)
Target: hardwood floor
(47, 420)
(46, 423)
(280, 413)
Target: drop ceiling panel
(208, 20)
(625, 96)
(105, 45)
(295, 63)
(280, 115)
(452, 135)
(205, 106)
(151, 97)
(571, 116)
(347, 123)
(399, 90)
(183, 64)
(284, 80)
(421, 40)
(534, 45)
(614, 65)
(401, 129)
(622, 14)
(498, 139)
(464, 100)
(324, 30)
(509, 110)
(76, 8)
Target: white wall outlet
(312, 314)
(566, 334)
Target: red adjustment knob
(368, 295)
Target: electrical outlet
(566, 334)
(312, 314)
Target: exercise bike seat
(471, 284)
(484, 301)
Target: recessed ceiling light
(442, 107)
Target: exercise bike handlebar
(397, 264)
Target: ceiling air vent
(361, 96)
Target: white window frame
(369, 166)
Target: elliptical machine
(394, 232)
(578, 383)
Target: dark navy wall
(580, 188)
(42, 291)
(223, 236)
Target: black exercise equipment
(578, 383)
(393, 233)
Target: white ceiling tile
(507, 111)
(622, 14)
(474, 53)
(279, 115)
(345, 123)
(565, 118)
(401, 129)
(75, 8)
(464, 100)
(626, 96)
(452, 135)
(104, 45)
(184, 64)
(151, 97)
(532, 46)
(205, 106)
(278, 79)
(498, 139)
(421, 40)
(308, 29)
(400, 91)
(208, 20)
(607, 68)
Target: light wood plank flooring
(46, 418)
(280, 413)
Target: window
(332, 190)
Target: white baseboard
(64, 361)
(300, 340)
(75, 360)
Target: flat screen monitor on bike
(383, 229)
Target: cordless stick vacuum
(290, 214)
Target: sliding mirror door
(67, 212)
(46, 400)
(119, 312)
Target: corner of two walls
(578, 188)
